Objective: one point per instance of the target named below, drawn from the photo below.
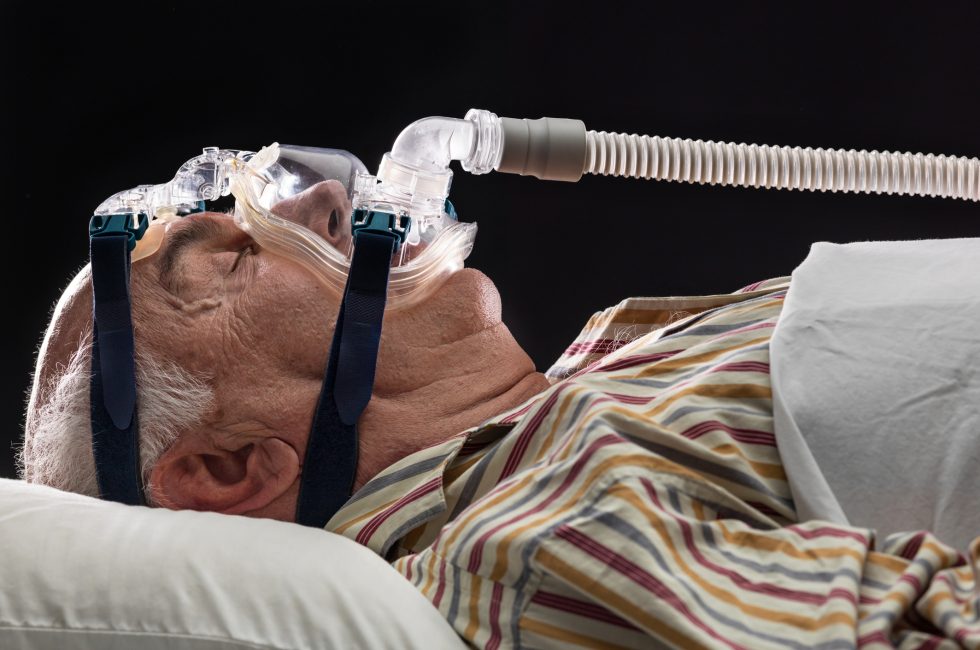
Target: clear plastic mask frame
(434, 248)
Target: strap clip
(131, 225)
(383, 222)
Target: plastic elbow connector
(549, 148)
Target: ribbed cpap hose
(795, 168)
(554, 148)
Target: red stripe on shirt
(749, 436)
(639, 359)
(476, 555)
(494, 642)
(602, 346)
(365, 533)
(581, 608)
(528, 434)
(738, 579)
(636, 573)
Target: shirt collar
(412, 491)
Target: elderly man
(632, 496)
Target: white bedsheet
(80, 573)
(876, 386)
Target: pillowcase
(876, 386)
(77, 572)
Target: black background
(99, 99)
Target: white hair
(57, 449)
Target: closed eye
(242, 254)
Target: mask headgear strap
(113, 385)
(331, 453)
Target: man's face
(251, 322)
(248, 321)
(257, 327)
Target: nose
(323, 208)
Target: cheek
(292, 314)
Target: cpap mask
(275, 191)
(395, 238)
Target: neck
(425, 395)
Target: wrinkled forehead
(324, 208)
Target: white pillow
(76, 572)
(876, 386)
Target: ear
(194, 475)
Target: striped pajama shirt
(640, 502)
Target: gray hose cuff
(550, 148)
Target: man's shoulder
(612, 328)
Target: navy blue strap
(331, 452)
(113, 384)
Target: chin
(473, 291)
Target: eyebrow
(195, 231)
